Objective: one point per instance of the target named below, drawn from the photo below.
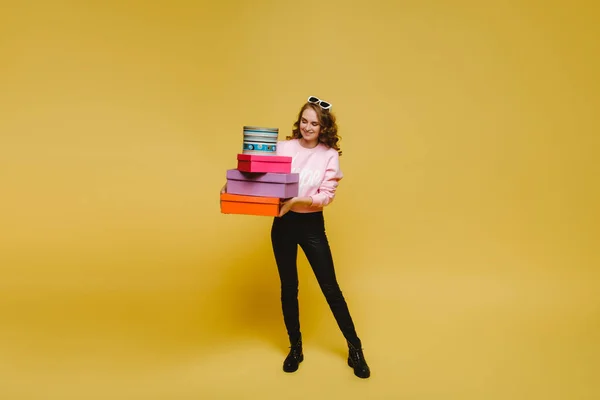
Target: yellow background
(465, 232)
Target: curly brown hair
(329, 129)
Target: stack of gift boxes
(262, 180)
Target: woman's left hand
(286, 206)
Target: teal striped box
(260, 140)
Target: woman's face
(309, 126)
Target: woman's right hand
(224, 188)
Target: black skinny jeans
(307, 230)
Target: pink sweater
(319, 170)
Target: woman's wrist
(302, 201)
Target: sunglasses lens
(325, 105)
(312, 99)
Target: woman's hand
(286, 206)
(295, 201)
(224, 188)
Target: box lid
(267, 177)
(249, 199)
(248, 128)
(264, 158)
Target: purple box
(265, 184)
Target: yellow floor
(425, 337)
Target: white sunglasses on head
(323, 104)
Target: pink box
(266, 184)
(263, 164)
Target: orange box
(250, 205)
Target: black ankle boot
(356, 360)
(294, 358)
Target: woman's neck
(308, 145)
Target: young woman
(315, 153)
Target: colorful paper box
(250, 205)
(262, 184)
(259, 140)
(263, 164)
